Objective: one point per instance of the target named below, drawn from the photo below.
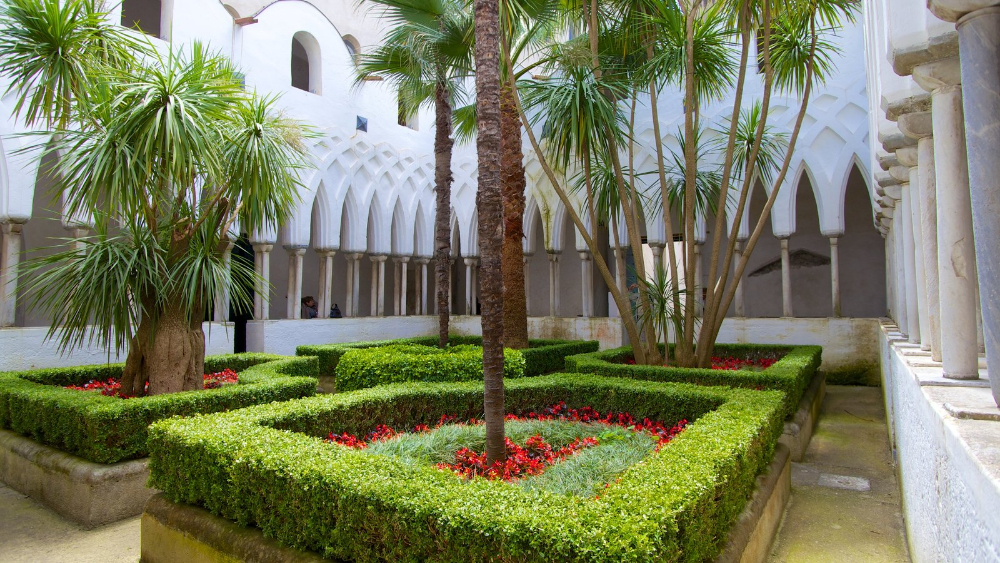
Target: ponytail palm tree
(426, 55)
(166, 156)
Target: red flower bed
(112, 387)
(730, 363)
(536, 454)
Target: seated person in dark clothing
(335, 312)
(309, 310)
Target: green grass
(582, 474)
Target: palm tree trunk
(168, 352)
(515, 307)
(442, 218)
(490, 204)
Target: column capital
(584, 255)
(422, 260)
(401, 259)
(917, 124)
(959, 10)
(262, 247)
(907, 156)
(471, 261)
(326, 252)
(938, 75)
(12, 227)
(912, 104)
(553, 255)
(378, 257)
(296, 250)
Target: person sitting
(309, 310)
(335, 312)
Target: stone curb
(799, 429)
(88, 493)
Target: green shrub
(398, 363)
(791, 374)
(267, 466)
(542, 356)
(109, 429)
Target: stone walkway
(31, 533)
(845, 504)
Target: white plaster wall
(948, 469)
(26, 348)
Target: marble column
(325, 298)
(587, 284)
(404, 270)
(923, 318)
(740, 297)
(835, 275)
(374, 296)
(979, 44)
(422, 280)
(380, 287)
(527, 283)
(928, 228)
(786, 279)
(395, 286)
(657, 249)
(909, 268)
(899, 269)
(553, 284)
(294, 297)
(349, 296)
(10, 256)
(355, 295)
(262, 264)
(956, 247)
(470, 263)
(221, 306)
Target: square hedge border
(541, 356)
(108, 429)
(791, 374)
(268, 467)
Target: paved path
(31, 533)
(845, 504)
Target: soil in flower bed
(759, 363)
(575, 452)
(112, 387)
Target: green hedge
(109, 429)
(791, 374)
(398, 363)
(268, 467)
(542, 356)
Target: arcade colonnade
(939, 191)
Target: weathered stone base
(88, 493)
(180, 533)
(799, 428)
(751, 538)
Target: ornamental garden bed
(296, 471)
(793, 370)
(542, 356)
(81, 451)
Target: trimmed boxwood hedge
(109, 429)
(542, 356)
(267, 466)
(360, 368)
(791, 374)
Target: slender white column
(355, 294)
(262, 264)
(835, 274)
(469, 263)
(380, 260)
(395, 287)
(527, 284)
(899, 267)
(909, 268)
(956, 252)
(403, 261)
(295, 282)
(786, 280)
(739, 298)
(349, 297)
(454, 282)
(422, 280)
(923, 318)
(325, 302)
(928, 229)
(553, 284)
(587, 284)
(374, 295)
(221, 313)
(11, 256)
(657, 256)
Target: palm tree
(490, 205)
(166, 156)
(425, 56)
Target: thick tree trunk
(515, 307)
(170, 355)
(442, 218)
(490, 206)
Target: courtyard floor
(845, 504)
